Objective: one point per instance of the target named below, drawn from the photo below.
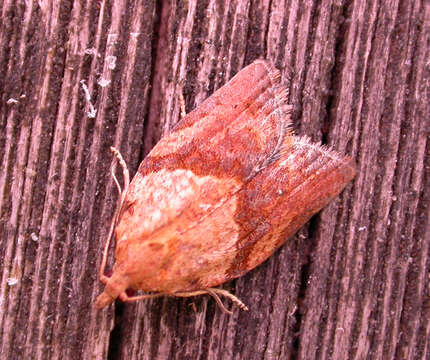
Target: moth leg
(229, 295)
(124, 297)
(182, 105)
(214, 293)
(122, 193)
(219, 302)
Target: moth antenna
(122, 193)
(118, 186)
(125, 172)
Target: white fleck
(280, 192)
(34, 237)
(362, 228)
(103, 82)
(290, 161)
(112, 38)
(92, 113)
(156, 215)
(167, 182)
(90, 51)
(12, 101)
(135, 34)
(205, 206)
(20, 239)
(111, 62)
(12, 281)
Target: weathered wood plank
(354, 283)
(55, 182)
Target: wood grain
(353, 284)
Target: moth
(219, 194)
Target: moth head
(115, 285)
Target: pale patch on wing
(163, 197)
(204, 251)
(187, 222)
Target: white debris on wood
(90, 51)
(111, 62)
(93, 112)
(103, 82)
(12, 281)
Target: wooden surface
(353, 284)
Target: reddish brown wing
(283, 197)
(230, 133)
